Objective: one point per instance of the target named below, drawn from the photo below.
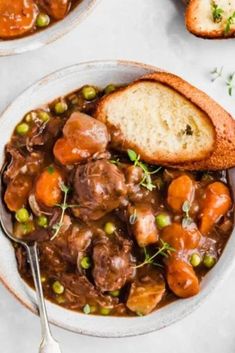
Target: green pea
(87, 309)
(43, 279)
(110, 88)
(44, 116)
(61, 107)
(42, 221)
(28, 118)
(163, 220)
(209, 260)
(109, 228)
(58, 288)
(195, 260)
(42, 20)
(85, 262)
(22, 129)
(105, 311)
(115, 293)
(60, 299)
(22, 215)
(89, 93)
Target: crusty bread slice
(169, 122)
(200, 18)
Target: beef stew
(116, 236)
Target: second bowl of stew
(29, 24)
(120, 245)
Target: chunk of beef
(99, 187)
(56, 8)
(113, 263)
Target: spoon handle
(48, 345)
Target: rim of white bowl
(50, 34)
(182, 307)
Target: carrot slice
(47, 189)
(17, 17)
(215, 205)
(180, 190)
(181, 238)
(58, 9)
(17, 192)
(181, 278)
(66, 153)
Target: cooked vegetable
(180, 190)
(57, 287)
(89, 93)
(181, 238)
(61, 107)
(47, 188)
(181, 278)
(195, 260)
(209, 260)
(109, 228)
(163, 220)
(22, 129)
(85, 263)
(42, 221)
(144, 228)
(42, 20)
(44, 116)
(105, 311)
(216, 203)
(22, 215)
(110, 88)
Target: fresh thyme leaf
(115, 161)
(133, 217)
(50, 169)
(216, 12)
(230, 84)
(229, 22)
(165, 250)
(146, 180)
(132, 155)
(57, 226)
(186, 207)
(216, 73)
(186, 222)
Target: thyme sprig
(165, 250)
(147, 179)
(217, 12)
(187, 220)
(216, 73)
(64, 206)
(229, 22)
(230, 83)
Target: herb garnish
(216, 73)
(133, 217)
(146, 180)
(230, 84)
(229, 22)
(64, 206)
(187, 220)
(165, 250)
(216, 12)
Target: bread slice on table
(169, 122)
(211, 19)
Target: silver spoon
(48, 343)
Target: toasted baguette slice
(169, 122)
(200, 18)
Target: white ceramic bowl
(50, 87)
(57, 30)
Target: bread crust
(191, 20)
(223, 154)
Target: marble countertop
(153, 32)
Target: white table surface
(153, 32)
